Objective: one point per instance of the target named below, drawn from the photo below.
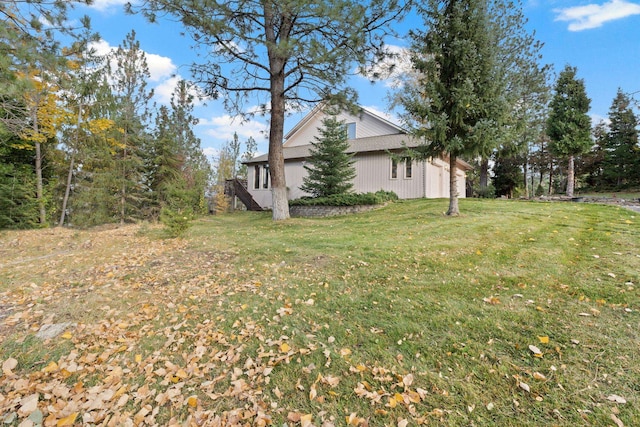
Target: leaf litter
(140, 349)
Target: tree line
(82, 144)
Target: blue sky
(600, 37)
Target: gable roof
(319, 108)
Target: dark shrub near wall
(349, 199)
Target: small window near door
(265, 176)
(256, 177)
(408, 168)
(394, 168)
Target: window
(408, 167)
(351, 130)
(265, 176)
(256, 177)
(394, 168)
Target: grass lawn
(514, 314)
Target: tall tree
(30, 59)
(129, 75)
(621, 151)
(330, 169)
(79, 85)
(282, 51)
(524, 80)
(178, 171)
(569, 125)
(456, 106)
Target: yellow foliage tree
(45, 116)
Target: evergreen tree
(18, 205)
(131, 99)
(621, 151)
(330, 169)
(507, 174)
(568, 124)
(178, 170)
(456, 104)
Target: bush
(489, 192)
(349, 199)
(176, 222)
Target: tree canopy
(568, 124)
(289, 51)
(456, 103)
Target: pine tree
(568, 124)
(131, 97)
(621, 151)
(330, 169)
(456, 104)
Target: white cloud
(105, 5)
(390, 68)
(223, 127)
(597, 118)
(594, 15)
(160, 67)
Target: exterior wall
(366, 126)
(430, 179)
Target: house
(371, 139)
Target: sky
(599, 37)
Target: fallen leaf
(544, 340)
(617, 399)
(28, 404)
(51, 367)
(305, 420)
(67, 421)
(538, 376)
(284, 347)
(616, 420)
(8, 366)
(403, 423)
(535, 350)
(524, 386)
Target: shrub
(349, 199)
(176, 222)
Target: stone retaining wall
(325, 211)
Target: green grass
(449, 305)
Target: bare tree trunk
(39, 184)
(551, 177)
(280, 202)
(570, 177)
(67, 190)
(484, 175)
(453, 187)
(525, 169)
(123, 190)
